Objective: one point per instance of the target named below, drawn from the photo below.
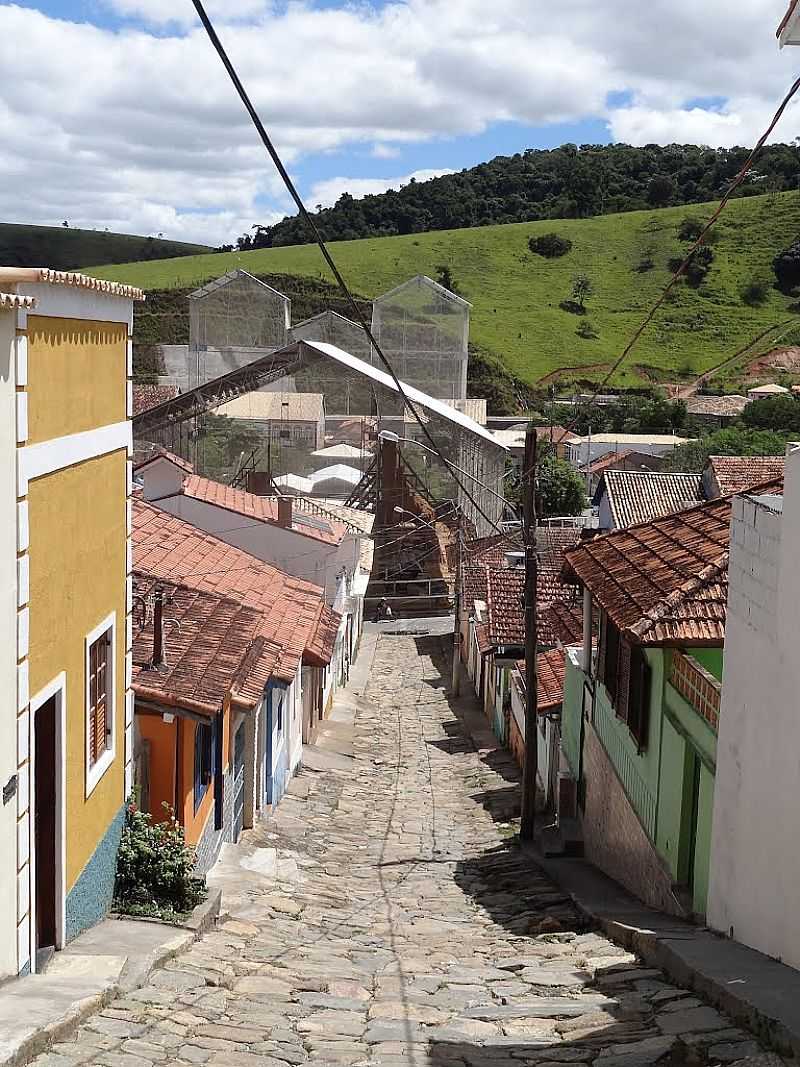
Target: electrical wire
(318, 239)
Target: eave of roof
(14, 301)
(46, 276)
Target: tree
(582, 289)
(660, 190)
(444, 276)
(787, 267)
(691, 457)
(550, 245)
(780, 413)
(561, 488)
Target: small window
(99, 697)
(203, 761)
(99, 711)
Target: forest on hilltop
(570, 182)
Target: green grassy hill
(63, 248)
(516, 294)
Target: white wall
(291, 552)
(8, 645)
(605, 520)
(755, 862)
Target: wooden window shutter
(639, 704)
(98, 698)
(611, 666)
(623, 680)
(601, 650)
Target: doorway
(46, 835)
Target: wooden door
(45, 825)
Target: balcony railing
(697, 686)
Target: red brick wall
(614, 839)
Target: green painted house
(641, 711)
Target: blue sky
(122, 108)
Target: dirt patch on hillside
(786, 360)
(573, 373)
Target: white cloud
(328, 192)
(142, 131)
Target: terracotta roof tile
(639, 496)
(150, 396)
(720, 406)
(37, 275)
(263, 509)
(216, 650)
(13, 301)
(319, 651)
(550, 670)
(734, 474)
(163, 453)
(664, 581)
(166, 547)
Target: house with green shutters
(640, 712)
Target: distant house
(624, 498)
(294, 419)
(640, 718)
(628, 460)
(550, 667)
(716, 410)
(556, 436)
(337, 481)
(734, 474)
(762, 391)
(585, 450)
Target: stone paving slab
(383, 914)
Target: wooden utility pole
(531, 768)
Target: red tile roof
(168, 548)
(150, 396)
(561, 623)
(662, 582)
(214, 652)
(263, 509)
(639, 496)
(734, 474)
(550, 669)
(607, 460)
(163, 453)
(319, 651)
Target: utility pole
(456, 680)
(531, 768)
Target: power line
(312, 226)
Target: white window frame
(95, 773)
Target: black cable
(312, 226)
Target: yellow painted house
(65, 382)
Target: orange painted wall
(161, 736)
(195, 822)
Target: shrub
(690, 228)
(755, 292)
(646, 263)
(155, 868)
(787, 268)
(573, 307)
(587, 331)
(698, 267)
(550, 245)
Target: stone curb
(202, 919)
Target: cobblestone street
(401, 926)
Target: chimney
(158, 628)
(285, 512)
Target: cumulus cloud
(327, 192)
(139, 129)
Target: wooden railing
(697, 686)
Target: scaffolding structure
(423, 329)
(342, 396)
(233, 321)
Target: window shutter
(623, 680)
(639, 710)
(612, 661)
(601, 650)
